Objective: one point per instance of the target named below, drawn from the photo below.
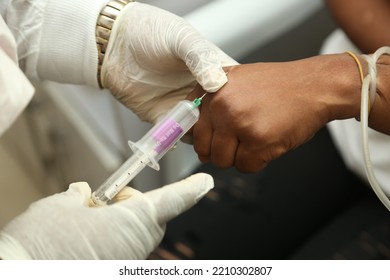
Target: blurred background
(305, 205)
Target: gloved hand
(155, 58)
(63, 226)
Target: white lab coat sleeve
(15, 89)
(55, 38)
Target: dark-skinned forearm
(366, 22)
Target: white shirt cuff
(68, 52)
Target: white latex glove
(63, 226)
(154, 59)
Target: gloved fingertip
(212, 80)
(203, 182)
(188, 139)
(174, 199)
(82, 188)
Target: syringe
(150, 148)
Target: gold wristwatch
(104, 25)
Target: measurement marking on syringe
(148, 150)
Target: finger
(204, 159)
(249, 161)
(202, 134)
(202, 139)
(174, 199)
(82, 190)
(203, 59)
(187, 138)
(223, 150)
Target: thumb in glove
(62, 226)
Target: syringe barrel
(167, 132)
(150, 149)
(119, 179)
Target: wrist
(344, 87)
